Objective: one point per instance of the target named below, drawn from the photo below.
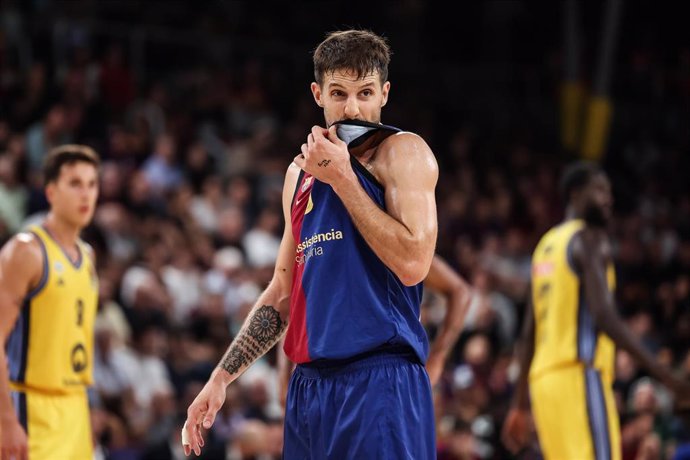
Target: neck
(571, 213)
(65, 234)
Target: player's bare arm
(592, 253)
(263, 328)
(446, 281)
(403, 236)
(21, 268)
(515, 433)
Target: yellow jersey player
(48, 297)
(567, 352)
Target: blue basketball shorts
(378, 407)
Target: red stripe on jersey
(296, 344)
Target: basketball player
(570, 331)
(48, 295)
(359, 238)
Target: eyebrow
(338, 85)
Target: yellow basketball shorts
(575, 415)
(58, 426)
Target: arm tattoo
(263, 330)
(323, 163)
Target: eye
(367, 93)
(336, 93)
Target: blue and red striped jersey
(345, 301)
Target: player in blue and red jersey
(359, 238)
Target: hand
(325, 156)
(203, 410)
(516, 430)
(434, 367)
(13, 441)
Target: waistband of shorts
(374, 358)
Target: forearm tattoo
(263, 331)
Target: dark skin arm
(592, 253)
(516, 429)
(443, 279)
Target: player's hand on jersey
(516, 429)
(202, 412)
(13, 443)
(325, 156)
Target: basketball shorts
(575, 415)
(58, 426)
(378, 407)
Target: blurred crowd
(189, 222)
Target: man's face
(598, 201)
(343, 96)
(73, 194)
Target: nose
(351, 108)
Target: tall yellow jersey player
(570, 331)
(48, 297)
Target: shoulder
(591, 245)
(21, 259)
(405, 143)
(24, 247)
(405, 153)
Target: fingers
(191, 436)
(333, 135)
(210, 416)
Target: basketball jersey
(51, 346)
(565, 332)
(345, 301)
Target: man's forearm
(262, 329)
(390, 240)
(458, 302)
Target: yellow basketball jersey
(51, 345)
(565, 332)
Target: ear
(50, 192)
(316, 92)
(384, 91)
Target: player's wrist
(344, 181)
(221, 376)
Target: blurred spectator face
(231, 225)
(55, 121)
(343, 96)
(165, 148)
(477, 351)
(8, 171)
(111, 181)
(644, 398)
(72, 196)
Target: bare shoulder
(404, 154)
(411, 145)
(591, 244)
(21, 260)
(23, 247)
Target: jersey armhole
(297, 185)
(44, 276)
(569, 255)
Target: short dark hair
(65, 155)
(576, 176)
(360, 50)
